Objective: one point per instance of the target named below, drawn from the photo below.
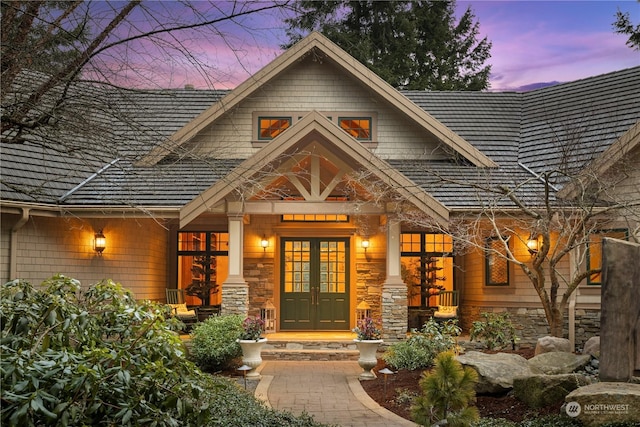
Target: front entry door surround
(314, 284)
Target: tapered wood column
(394, 290)
(235, 290)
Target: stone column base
(235, 298)
(394, 311)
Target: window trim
(591, 283)
(487, 264)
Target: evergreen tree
(410, 44)
(447, 393)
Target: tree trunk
(556, 322)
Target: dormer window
(270, 127)
(358, 127)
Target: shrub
(101, 358)
(496, 331)
(447, 393)
(213, 342)
(97, 357)
(420, 349)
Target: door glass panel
(332, 267)
(296, 267)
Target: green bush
(496, 331)
(73, 358)
(213, 342)
(447, 393)
(420, 349)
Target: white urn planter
(251, 355)
(367, 359)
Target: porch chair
(175, 298)
(447, 305)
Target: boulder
(603, 403)
(549, 344)
(538, 391)
(495, 371)
(558, 362)
(592, 347)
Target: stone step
(309, 350)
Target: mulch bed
(404, 384)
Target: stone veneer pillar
(235, 290)
(394, 290)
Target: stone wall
(369, 278)
(531, 323)
(259, 274)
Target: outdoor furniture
(447, 305)
(175, 299)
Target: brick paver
(328, 390)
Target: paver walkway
(330, 391)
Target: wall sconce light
(99, 242)
(532, 244)
(264, 243)
(365, 244)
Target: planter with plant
(368, 338)
(251, 343)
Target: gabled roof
(569, 125)
(316, 43)
(314, 127)
(616, 152)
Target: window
(427, 266)
(496, 263)
(594, 251)
(317, 217)
(270, 127)
(202, 265)
(358, 127)
(359, 124)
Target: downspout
(13, 246)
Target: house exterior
(298, 187)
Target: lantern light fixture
(533, 244)
(365, 244)
(99, 242)
(264, 243)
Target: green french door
(315, 284)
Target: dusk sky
(533, 42)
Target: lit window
(496, 263)
(594, 252)
(427, 266)
(358, 127)
(270, 127)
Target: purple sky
(533, 42)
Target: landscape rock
(549, 344)
(558, 362)
(495, 371)
(605, 402)
(592, 347)
(538, 391)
